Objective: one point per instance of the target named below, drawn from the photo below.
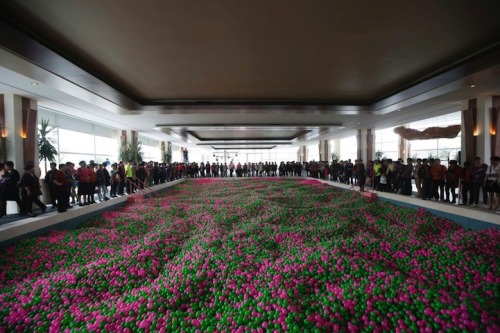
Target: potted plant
(379, 155)
(167, 155)
(46, 152)
(131, 152)
(46, 149)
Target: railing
(141, 188)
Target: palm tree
(130, 152)
(46, 149)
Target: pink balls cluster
(255, 256)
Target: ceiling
(249, 74)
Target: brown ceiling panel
(287, 51)
(248, 134)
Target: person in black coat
(10, 189)
(30, 190)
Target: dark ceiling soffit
(243, 148)
(291, 138)
(20, 43)
(53, 60)
(486, 58)
(245, 143)
(258, 126)
(15, 41)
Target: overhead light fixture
(472, 85)
(34, 83)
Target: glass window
(386, 142)
(445, 149)
(349, 148)
(313, 152)
(286, 154)
(75, 142)
(151, 153)
(106, 146)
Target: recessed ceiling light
(34, 83)
(472, 85)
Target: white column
(483, 141)
(14, 128)
(324, 150)
(336, 148)
(463, 150)
(367, 144)
(363, 146)
(302, 154)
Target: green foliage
(167, 155)
(46, 149)
(379, 155)
(131, 152)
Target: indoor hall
(251, 82)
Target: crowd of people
(69, 185)
(472, 183)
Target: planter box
(369, 196)
(135, 198)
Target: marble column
(365, 144)
(302, 154)
(324, 150)
(20, 129)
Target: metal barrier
(141, 190)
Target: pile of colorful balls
(255, 255)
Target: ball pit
(265, 255)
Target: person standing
(491, 183)
(92, 183)
(10, 192)
(376, 174)
(360, 175)
(30, 190)
(425, 175)
(406, 177)
(467, 193)
(102, 177)
(3, 205)
(348, 170)
(231, 168)
(478, 176)
(140, 176)
(452, 179)
(70, 176)
(438, 173)
(121, 175)
(61, 184)
(83, 180)
(115, 180)
(417, 175)
(48, 179)
(129, 174)
(221, 170)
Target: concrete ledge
(467, 217)
(72, 219)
